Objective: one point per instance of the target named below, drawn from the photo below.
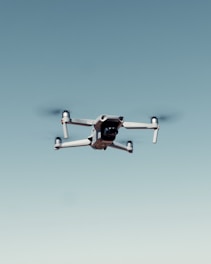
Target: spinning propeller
(52, 111)
(166, 117)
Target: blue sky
(130, 58)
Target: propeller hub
(66, 114)
(154, 120)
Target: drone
(104, 132)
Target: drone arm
(135, 125)
(65, 130)
(120, 146)
(154, 125)
(81, 122)
(155, 135)
(75, 143)
(67, 120)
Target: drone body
(104, 131)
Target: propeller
(52, 111)
(164, 113)
(167, 117)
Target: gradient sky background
(130, 58)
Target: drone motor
(154, 120)
(58, 143)
(65, 120)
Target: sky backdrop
(83, 206)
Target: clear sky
(83, 206)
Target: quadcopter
(104, 131)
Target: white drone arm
(128, 147)
(153, 125)
(65, 130)
(155, 135)
(134, 125)
(81, 122)
(67, 120)
(76, 143)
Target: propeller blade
(167, 117)
(52, 111)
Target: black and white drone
(104, 131)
